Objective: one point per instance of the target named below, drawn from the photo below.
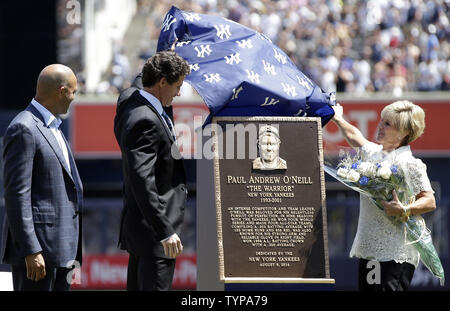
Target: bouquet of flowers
(377, 178)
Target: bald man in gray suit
(43, 192)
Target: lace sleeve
(416, 176)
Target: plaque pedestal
(207, 262)
(270, 232)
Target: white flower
(384, 172)
(342, 172)
(353, 176)
(367, 169)
(385, 163)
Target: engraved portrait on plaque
(269, 147)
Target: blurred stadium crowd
(354, 46)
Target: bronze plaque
(270, 197)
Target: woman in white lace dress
(379, 244)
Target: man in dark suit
(43, 191)
(154, 178)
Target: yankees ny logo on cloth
(239, 71)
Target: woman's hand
(393, 207)
(352, 134)
(338, 112)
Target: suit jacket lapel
(73, 166)
(47, 133)
(75, 177)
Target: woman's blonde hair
(406, 117)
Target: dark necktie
(169, 124)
